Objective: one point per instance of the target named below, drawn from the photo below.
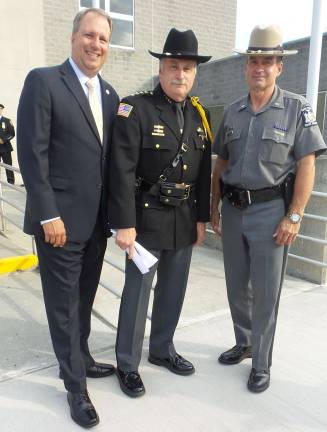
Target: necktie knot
(90, 84)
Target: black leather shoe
(98, 370)
(259, 380)
(82, 410)
(235, 355)
(130, 383)
(177, 364)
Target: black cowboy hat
(183, 45)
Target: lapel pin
(107, 91)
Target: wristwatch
(294, 217)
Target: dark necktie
(178, 107)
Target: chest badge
(202, 133)
(158, 130)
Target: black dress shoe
(97, 370)
(82, 410)
(235, 355)
(130, 383)
(177, 364)
(259, 380)
(100, 370)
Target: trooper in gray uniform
(264, 173)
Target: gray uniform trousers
(172, 274)
(254, 268)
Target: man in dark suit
(7, 133)
(65, 118)
(161, 143)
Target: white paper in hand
(143, 259)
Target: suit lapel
(71, 81)
(107, 111)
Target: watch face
(295, 218)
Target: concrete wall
(222, 81)
(22, 42)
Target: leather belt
(242, 198)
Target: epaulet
(143, 93)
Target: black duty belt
(242, 198)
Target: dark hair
(78, 18)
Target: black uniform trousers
(70, 277)
(172, 275)
(7, 159)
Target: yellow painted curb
(12, 264)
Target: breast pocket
(276, 146)
(233, 143)
(156, 153)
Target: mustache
(178, 82)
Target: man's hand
(125, 239)
(1, 141)
(215, 221)
(55, 233)
(286, 232)
(201, 233)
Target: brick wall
(131, 70)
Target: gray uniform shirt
(263, 147)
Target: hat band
(277, 48)
(175, 53)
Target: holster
(288, 189)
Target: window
(122, 14)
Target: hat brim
(197, 58)
(263, 53)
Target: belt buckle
(187, 191)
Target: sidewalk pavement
(215, 398)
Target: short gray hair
(81, 14)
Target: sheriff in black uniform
(169, 208)
(7, 133)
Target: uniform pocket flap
(278, 136)
(232, 135)
(199, 143)
(156, 143)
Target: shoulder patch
(308, 116)
(124, 109)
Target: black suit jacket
(7, 133)
(62, 160)
(144, 143)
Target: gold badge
(201, 133)
(158, 130)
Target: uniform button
(184, 167)
(203, 146)
(157, 146)
(169, 191)
(167, 200)
(104, 158)
(146, 205)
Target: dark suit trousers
(70, 277)
(7, 159)
(172, 275)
